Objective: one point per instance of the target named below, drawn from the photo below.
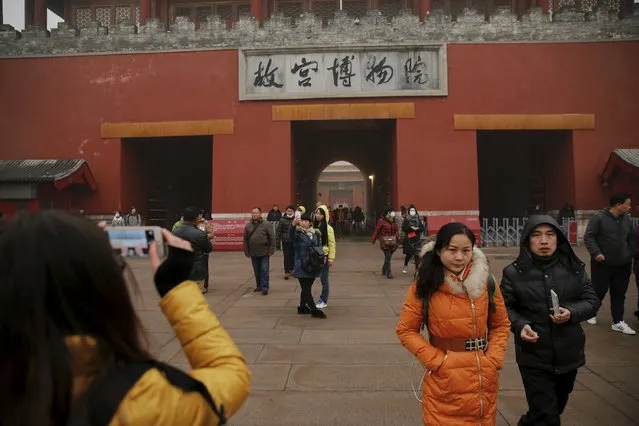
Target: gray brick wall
(373, 29)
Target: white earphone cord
(421, 381)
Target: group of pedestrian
(299, 233)
(543, 297)
(71, 361)
(387, 232)
(468, 317)
(133, 218)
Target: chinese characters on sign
(281, 75)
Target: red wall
(58, 104)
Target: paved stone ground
(350, 369)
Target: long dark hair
(59, 278)
(430, 274)
(322, 226)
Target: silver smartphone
(134, 241)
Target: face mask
(413, 212)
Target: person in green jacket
(328, 242)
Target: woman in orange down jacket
(72, 346)
(468, 330)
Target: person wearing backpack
(309, 261)
(549, 345)
(72, 344)
(457, 300)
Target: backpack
(315, 258)
(104, 399)
(492, 307)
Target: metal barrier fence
(506, 232)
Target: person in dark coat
(259, 246)
(304, 236)
(201, 246)
(608, 240)
(549, 345)
(413, 229)
(283, 236)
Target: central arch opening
(343, 188)
(365, 149)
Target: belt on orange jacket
(459, 345)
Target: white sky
(13, 11)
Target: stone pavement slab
(350, 368)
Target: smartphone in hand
(134, 241)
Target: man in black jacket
(201, 247)
(549, 345)
(608, 239)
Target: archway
(343, 188)
(369, 145)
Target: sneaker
(624, 328)
(264, 292)
(404, 271)
(321, 304)
(592, 321)
(257, 289)
(303, 310)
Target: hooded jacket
(462, 387)
(329, 249)
(526, 286)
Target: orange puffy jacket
(461, 388)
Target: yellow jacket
(329, 249)
(215, 360)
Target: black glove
(174, 270)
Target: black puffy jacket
(526, 290)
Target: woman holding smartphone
(74, 347)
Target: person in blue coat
(303, 237)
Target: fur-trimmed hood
(475, 283)
(310, 230)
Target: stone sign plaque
(343, 73)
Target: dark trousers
(386, 269)
(306, 296)
(260, 269)
(289, 256)
(547, 395)
(615, 278)
(408, 258)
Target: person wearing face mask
(413, 229)
(549, 345)
(117, 220)
(283, 236)
(387, 232)
(456, 299)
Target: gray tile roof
(630, 156)
(31, 171)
